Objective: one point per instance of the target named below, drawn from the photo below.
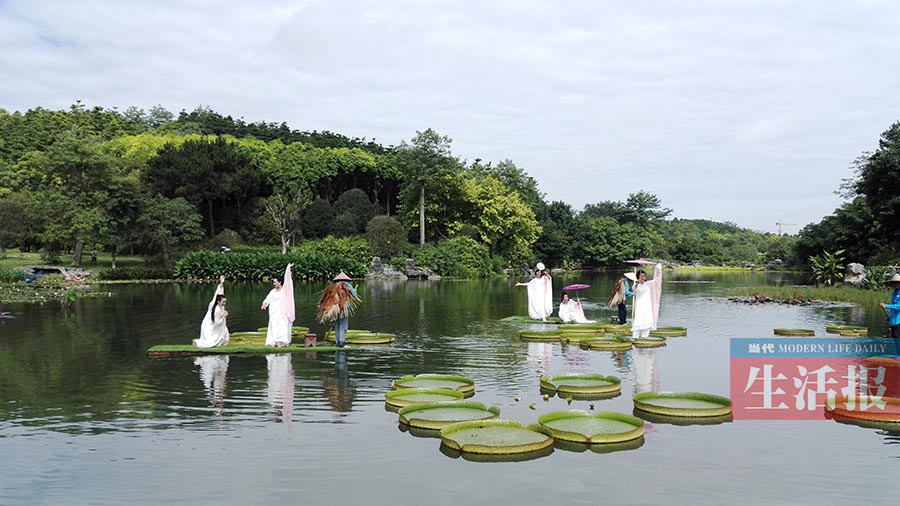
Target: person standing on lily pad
(893, 309)
(540, 294)
(646, 303)
(280, 303)
(620, 294)
(338, 300)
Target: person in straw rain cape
(620, 294)
(280, 303)
(540, 294)
(646, 303)
(338, 300)
(894, 309)
(213, 329)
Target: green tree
(285, 208)
(427, 156)
(386, 236)
(167, 223)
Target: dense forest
(160, 184)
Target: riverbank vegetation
(160, 185)
(800, 294)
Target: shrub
(132, 273)
(317, 219)
(262, 266)
(356, 203)
(386, 236)
(459, 257)
(9, 275)
(344, 225)
(50, 255)
(353, 248)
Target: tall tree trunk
(285, 243)
(239, 215)
(422, 215)
(387, 203)
(212, 226)
(76, 258)
(114, 257)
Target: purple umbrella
(576, 287)
(639, 261)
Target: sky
(742, 111)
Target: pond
(85, 417)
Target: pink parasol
(576, 287)
(639, 261)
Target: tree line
(156, 183)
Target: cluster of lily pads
(842, 330)
(433, 405)
(602, 337)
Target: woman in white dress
(540, 294)
(646, 303)
(570, 311)
(213, 329)
(280, 303)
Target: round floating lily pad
(577, 337)
(581, 327)
(606, 344)
(617, 329)
(669, 332)
(438, 416)
(410, 396)
(854, 333)
(571, 446)
(649, 342)
(526, 319)
(794, 332)
(848, 408)
(681, 420)
(539, 335)
(294, 330)
(465, 386)
(581, 384)
(600, 427)
(252, 334)
(837, 329)
(488, 457)
(493, 437)
(364, 338)
(688, 404)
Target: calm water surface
(85, 418)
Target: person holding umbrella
(646, 303)
(540, 294)
(893, 309)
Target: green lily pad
(687, 404)
(581, 384)
(526, 319)
(839, 329)
(889, 415)
(648, 342)
(582, 327)
(410, 396)
(606, 344)
(681, 420)
(669, 332)
(493, 437)
(364, 337)
(438, 416)
(465, 386)
(577, 337)
(294, 330)
(794, 332)
(540, 335)
(600, 427)
(571, 446)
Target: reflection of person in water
(337, 387)
(541, 355)
(644, 370)
(212, 375)
(280, 390)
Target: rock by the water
(856, 274)
(376, 266)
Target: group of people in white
(646, 297)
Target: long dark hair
(564, 295)
(280, 279)
(212, 314)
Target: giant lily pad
(582, 327)
(687, 404)
(648, 342)
(526, 319)
(851, 329)
(294, 330)
(539, 335)
(848, 408)
(606, 344)
(581, 384)
(577, 337)
(669, 332)
(681, 420)
(465, 386)
(410, 396)
(794, 332)
(571, 446)
(440, 415)
(363, 337)
(494, 437)
(600, 427)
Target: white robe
(213, 369)
(572, 312)
(646, 302)
(279, 330)
(213, 331)
(280, 391)
(540, 297)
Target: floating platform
(189, 350)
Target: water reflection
(338, 389)
(280, 392)
(643, 370)
(213, 369)
(540, 356)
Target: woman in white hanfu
(213, 329)
(570, 311)
(280, 303)
(540, 294)
(646, 303)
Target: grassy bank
(15, 258)
(823, 293)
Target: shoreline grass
(818, 293)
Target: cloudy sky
(747, 111)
